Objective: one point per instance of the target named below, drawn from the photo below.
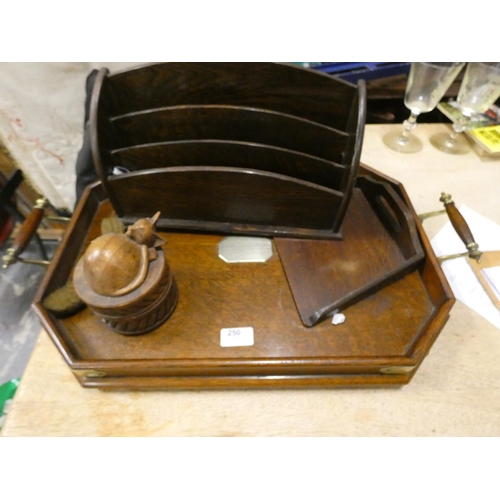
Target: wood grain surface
(327, 276)
(234, 154)
(283, 88)
(223, 199)
(288, 120)
(230, 123)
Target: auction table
(455, 392)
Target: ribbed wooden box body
(139, 311)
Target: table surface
(455, 392)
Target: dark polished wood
(244, 155)
(383, 341)
(280, 87)
(102, 137)
(230, 123)
(238, 200)
(327, 276)
(276, 107)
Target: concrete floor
(19, 327)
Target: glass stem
(408, 125)
(458, 128)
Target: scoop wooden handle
(461, 227)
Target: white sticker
(236, 337)
(338, 319)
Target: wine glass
(480, 88)
(427, 83)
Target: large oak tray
(383, 341)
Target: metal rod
(57, 218)
(422, 217)
(453, 256)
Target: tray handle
(461, 227)
(23, 237)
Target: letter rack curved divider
(230, 123)
(281, 87)
(238, 200)
(234, 154)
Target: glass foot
(458, 146)
(397, 142)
